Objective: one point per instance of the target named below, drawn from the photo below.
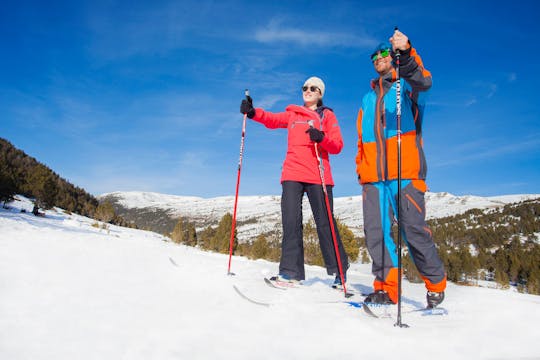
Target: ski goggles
(382, 53)
(311, 88)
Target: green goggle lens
(383, 53)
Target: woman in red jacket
(310, 125)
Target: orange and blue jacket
(377, 155)
(301, 163)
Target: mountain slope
(74, 291)
(259, 214)
(23, 174)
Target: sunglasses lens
(311, 88)
(382, 53)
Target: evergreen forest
(24, 175)
(499, 245)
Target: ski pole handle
(248, 98)
(397, 50)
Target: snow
(71, 290)
(267, 209)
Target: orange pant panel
(390, 285)
(438, 287)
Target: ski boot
(378, 297)
(434, 299)
(337, 282)
(283, 281)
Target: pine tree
(221, 239)
(469, 264)
(533, 281)
(350, 242)
(177, 234)
(260, 248)
(7, 185)
(365, 259)
(274, 242)
(206, 237)
(410, 270)
(502, 279)
(105, 212)
(312, 249)
(191, 235)
(184, 233)
(42, 185)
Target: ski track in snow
(73, 291)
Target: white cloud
(471, 101)
(275, 32)
(489, 88)
(492, 90)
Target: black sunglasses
(311, 88)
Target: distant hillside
(260, 214)
(479, 239)
(23, 174)
(501, 244)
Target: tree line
(24, 175)
(499, 245)
(264, 246)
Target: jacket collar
(387, 80)
(303, 110)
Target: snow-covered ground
(69, 290)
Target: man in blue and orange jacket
(377, 169)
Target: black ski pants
(292, 246)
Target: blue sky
(121, 96)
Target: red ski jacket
(301, 162)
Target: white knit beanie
(315, 81)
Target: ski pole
(330, 216)
(233, 225)
(398, 211)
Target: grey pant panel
(378, 202)
(418, 236)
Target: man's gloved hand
(315, 134)
(246, 107)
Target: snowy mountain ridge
(266, 210)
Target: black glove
(246, 107)
(315, 134)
